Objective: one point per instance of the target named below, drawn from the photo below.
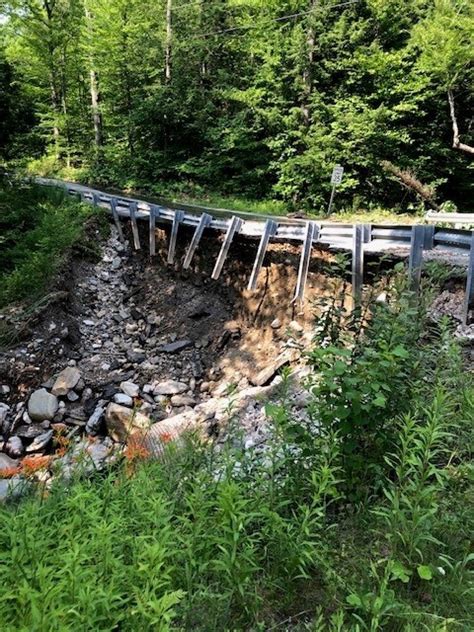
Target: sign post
(336, 179)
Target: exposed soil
(126, 325)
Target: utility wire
(201, 3)
(283, 18)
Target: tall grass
(286, 538)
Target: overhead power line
(282, 18)
(205, 5)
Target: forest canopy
(253, 97)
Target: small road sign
(337, 172)
(336, 179)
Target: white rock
(295, 327)
(66, 380)
(276, 324)
(123, 422)
(130, 389)
(170, 387)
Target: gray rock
(40, 442)
(265, 375)
(183, 400)
(170, 387)
(4, 389)
(72, 396)
(42, 405)
(276, 324)
(123, 399)
(94, 421)
(12, 488)
(3, 413)
(29, 431)
(14, 447)
(7, 463)
(130, 389)
(98, 453)
(66, 380)
(136, 356)
(175, 347)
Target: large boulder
(42, 405)
(66, 380)
(123, 422)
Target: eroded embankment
(149, 339)
(136, 342)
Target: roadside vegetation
(253, 98)
(359, 519)
(38, 226)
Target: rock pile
(136, 363)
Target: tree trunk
(94, 89)
(55, 96)
(55, 109)
(169, 35)
(456, 138)
(307, 71)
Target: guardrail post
(312, 233)
(204, 221)
(468, 306)
(366, 233)
(357, 263)
(269, 230)
(113, 207)
(428, 241)
(178, 218)
(133, 206)
(234, 227)
(416, 256)
(153, 213)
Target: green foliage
(364, 380)
(37, 227)
(253, 102)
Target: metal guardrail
(466, 219)
(357, 238)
